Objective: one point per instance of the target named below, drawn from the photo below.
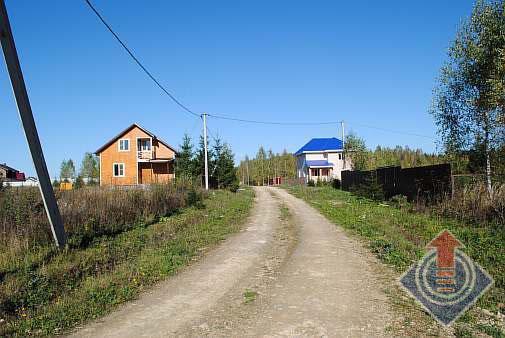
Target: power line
(287, 123)
(225, 117)
(192, 130)
(125, 47)
(393, 131)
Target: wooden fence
(427, 182)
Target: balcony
(144, 155)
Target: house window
(118, 169)
(325, 172)
(325, 155)
(314, 172)
(339, 156)
(124, 144)
(144, 144)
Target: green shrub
(335, 183)
(370, 189)
(399, 201)
(79, 183)
(234, 187)
(311, 183)
(194, 198)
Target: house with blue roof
(321, 159)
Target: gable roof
(6, 167)
(135, 125)
(321, 144)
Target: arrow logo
(445, 244)
(445, 281)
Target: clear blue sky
(367, 62)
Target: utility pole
(247, 162)
(204, 117)
(29, 127)
(343, 141)
(343, 133)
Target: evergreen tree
(79, 182)
(225, 172)
(217, 154)
(199, 160)
(184, 163)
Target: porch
(155, 171)
(319, 170)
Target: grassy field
(398, 236)
(50, 292)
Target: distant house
(29, 182)
(321, 159)
(136, 156)
(8, 174)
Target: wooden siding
(111, 155)
(150, 172)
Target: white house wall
(332, 157)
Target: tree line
(265, 166)
(363, 158)
(88, 173)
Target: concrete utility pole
(25, 112)
(247, 162)
(343, 133)
(343, 141)
(204, 117)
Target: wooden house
(136, 156)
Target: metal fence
(427, 182)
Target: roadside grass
(285, 213)
(249, 296)
(52, 292)
(398, 236)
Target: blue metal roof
(318, 163)
(321, 144)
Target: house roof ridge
(133, 125)
(321, 144)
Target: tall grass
(44, 291)
(398, 235)
(87, 213)
(473, 203)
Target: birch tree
(469, 100)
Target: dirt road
(300, 277)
